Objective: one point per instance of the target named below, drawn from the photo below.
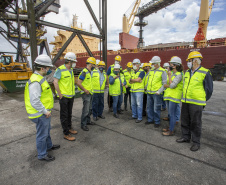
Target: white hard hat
(44, 60)
(155, 59)
(117, 66)
(141, 65)
(70, 56)
(136, 61)
(97, 61)
(175, 60)
(166, 64)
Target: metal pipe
(43, 9)
(85, 45)
(104, 25)
(93, 15)
(67, 28)
(32, 31)
(64, 47)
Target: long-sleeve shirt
(35, 90)
(164, 81)
(176, 81)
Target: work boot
(72, 131)
(168, 133)
(166, 119)
(69, 137)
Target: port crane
(204, 15)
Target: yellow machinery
(13, 75)
(204, 15)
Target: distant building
(75, 45)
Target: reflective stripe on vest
(174, 94)
(127, 76)
(137, 86)
(193, 91)
(96, 88)
(66, 82)
(87, 82)
(46, 96)
(115, 88)
(154, 82)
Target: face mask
(152, 67)
(49, 72)
(116, 72)
(146, 70)
(170, 68)
(73, 65)
(116, 62)
(92, 68)
(189, 64)
(166, 69)
(101, 68)
(128, 69)
(135, 67)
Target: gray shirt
(175, 81)
(164, 81)
(35, 90)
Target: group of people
(147, 85)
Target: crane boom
(127, 22)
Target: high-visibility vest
(146, 78)
(137, 86)
(87, 82)
(127, 75)
(46, 96)
(154, 82)
(115, 88)
(193, 90)
(175, 94)
(66, 82)
(96, 82)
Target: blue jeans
(87, 109)
(43, 139)
(154, 103)
(98, 104)
(137, 104)
(172, 110)
(163, 102)
(178, 113)
(117, 102)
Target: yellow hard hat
(149, 64)
(118, 58)
(129, 64)
(101, 63)
(91, 60)
(146, 65)
(194, 54)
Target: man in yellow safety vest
(197, 89)
(38, 99)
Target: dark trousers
(144, 103)
(66, 105)
(98, 104)
(126, 97)
(191, 122)
(87, 109)
(110, 100)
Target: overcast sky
(176, 23)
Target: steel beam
(85, 45)
(104, 27)
(67, 28)
(43, 9)
(64, 47)
(93, 16)
(32, 31)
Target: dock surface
(114, 151)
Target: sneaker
(72, 131)
(166, 119)
(47, 158)
(69, 137)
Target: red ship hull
(211, 56)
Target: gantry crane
(127, 20)
(204, 15)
